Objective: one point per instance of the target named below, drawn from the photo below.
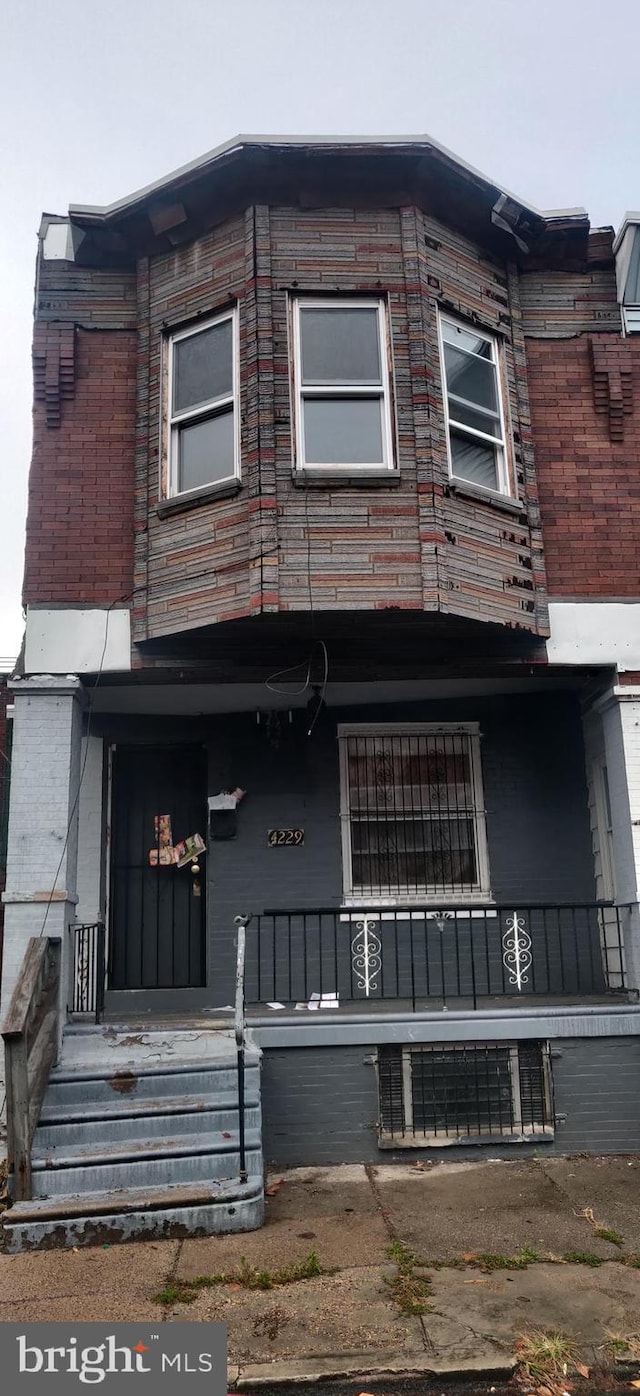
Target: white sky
(100, 97)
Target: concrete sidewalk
(439, 1220)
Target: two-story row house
(333, 622)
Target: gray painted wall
(535, 796)
(320, 1105)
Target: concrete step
(186, 1158)
(200, 1209)
(148, 1118)
(90, 1088)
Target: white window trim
(605, 829)
(172, 422)
(378, 391)
(518, 1134)
(504, 487)
(428, 895)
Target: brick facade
(418, 542)
(588, 482)
(79, 522)
(413, 544)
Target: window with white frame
(202, 417)
(473, 405)
(412, 811)
(464, 1092)
(342, 385)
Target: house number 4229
(285, 838)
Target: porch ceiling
(193, 699)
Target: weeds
(410, 1292)
(583, 1258)
(546, 1358)
(245, 1276)
(607, 1233)
(487, 1261)
(624, 1346)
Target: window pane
(468, 417)
(413, 854)
(456, 1091)
(409, 775)
(471, 379)
(343, 431)
(340, 345)
(466, 339)
(202, 367)
(206, 451)
(474, 460)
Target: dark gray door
(157, 914)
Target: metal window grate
(414, 810)
(466, 1093)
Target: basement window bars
(202, 401)
(464, 1094)
(413, 811)
(342, 385)
(473, 406)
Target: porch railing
(89, 970)
(322, 958)
(30, 1032)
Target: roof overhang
(310, 171)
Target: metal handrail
(239, 1022)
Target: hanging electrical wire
(319, 690)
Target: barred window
(463, 1093)
(412, 808)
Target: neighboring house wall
(584, 386)
(320, 1105)
(79, 546)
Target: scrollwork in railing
(366, 953)
(517, 956)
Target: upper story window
(412, 811)
(202, 405)
(473, 398)
(341, 377)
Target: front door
(157, 910)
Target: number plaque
(285, 838)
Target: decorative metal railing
(89, 970)
(322, 958)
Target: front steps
(138, 1137)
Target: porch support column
(620, 710)
(42, 851)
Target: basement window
(202, 406)
(342, 386)
(473, 406)
(464, 1093)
